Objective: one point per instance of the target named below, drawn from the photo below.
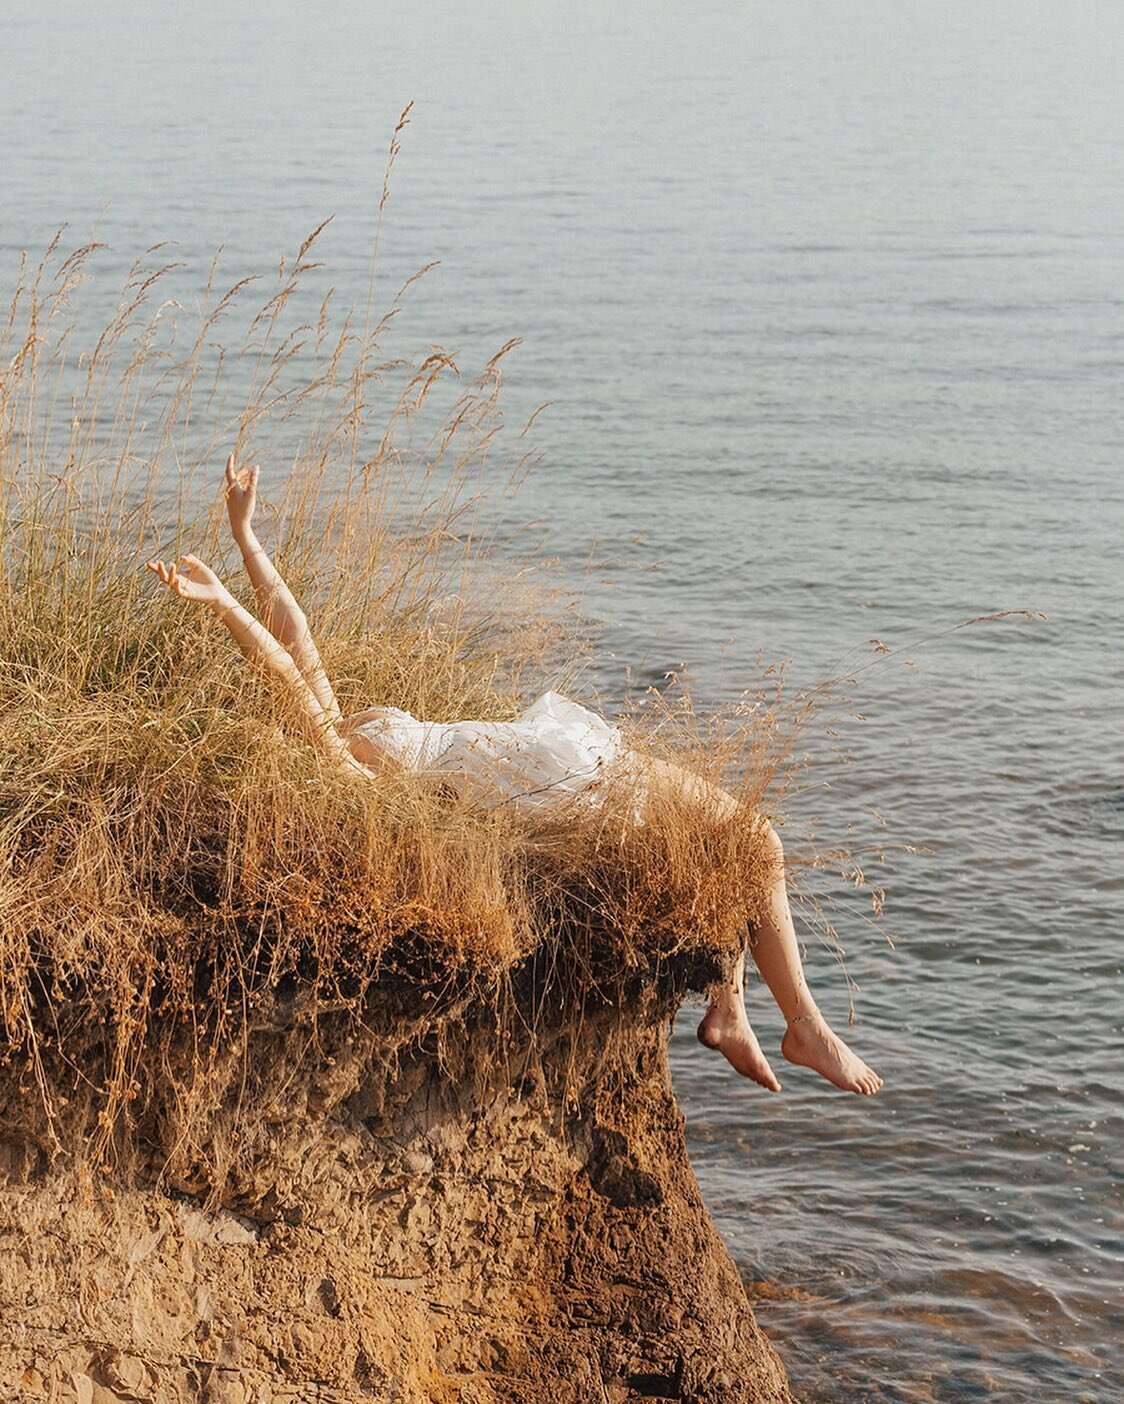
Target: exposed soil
(472, 1216)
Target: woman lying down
(555, 750)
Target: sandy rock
(432, 1237)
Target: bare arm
(198, 582)
(278, 608)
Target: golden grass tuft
(170, 852)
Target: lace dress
(554, 751)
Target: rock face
(481, 1215)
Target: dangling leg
(726, 1027)
(808, 1039)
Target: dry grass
(170, 851)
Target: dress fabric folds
(555, 750)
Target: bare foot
(812, 1044)
(726, 1028)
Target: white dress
(553, 751)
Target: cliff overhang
(450, 1198)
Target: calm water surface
(829, 304)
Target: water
(828, 304)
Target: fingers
(167, 575)
(235, 477)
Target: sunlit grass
(170, 850)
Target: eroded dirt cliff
(477, 1209)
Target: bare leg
(808, 1039)
(726, 1027)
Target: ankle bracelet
(805, 1018)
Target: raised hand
(192, 580)
(241, 497)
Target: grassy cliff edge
(312, 1088)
